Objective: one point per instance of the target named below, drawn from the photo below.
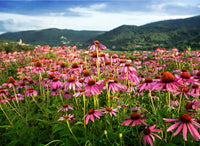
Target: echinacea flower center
(31, 82)
(86, 73)
(122, 61)
(123, 106)
(38, 64)
(115, 80)
(96, 42)
(185, 75)
(24, 79)
(91, 111)
(135, 116)
(185, 90)
(91, 82)
(142, 76)
(74, 65)
(71, 79)
(195, 86)
(146, 131)
(94, 54)
(64, 72)
(127, 64)
(2, 91)
(65, 105)
(148, 80)
(167, 77)
(184, 70)
(188, 106)
(190, 56)
(62, 65)
(82, 90)
(109, 109)
(55, 79)
(12, 96)
(198, 74)
(11, 80)
(185, 118)
(157, 77)
(102, 55)
(152, 94)
(30, 90)
(107, 63)
(150, 71)
(51, 76)
(22, 84)
(66, 117)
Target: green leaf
(79, 123)
(5, 126)
(44, 121)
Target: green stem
(169, 98)
(84, 112)
(180, 103)
(6, 116)
(68, 124)
(108, 94)
(51, 142)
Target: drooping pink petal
(178, 130)
(145, 139)
(114, 114)
(87, 119)
(134, 122)
(170, 120)
(157, 135)
(193, 131)
(143, 122)
(97, 116)
(150, 141)
(156, 130)
(92, 118)
(185, 132)
(152, 137)
(173, 126)
(127, 122)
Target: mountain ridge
(166, 33)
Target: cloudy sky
(90, 14)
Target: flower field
(70, 96)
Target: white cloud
(98, 6)
(91, 18)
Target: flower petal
(170, 120)
(178, 130)
(173, 126)
(193, 131)
(185, 132)
(127, 122)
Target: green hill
(179, 32)
(52, 36)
